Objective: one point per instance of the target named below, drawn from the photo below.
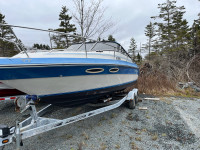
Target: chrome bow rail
(20, 46)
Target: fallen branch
(153, 99)
(142, 108)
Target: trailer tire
(131, 103)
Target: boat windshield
(98, 46)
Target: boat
(73, 76)
(83, 73)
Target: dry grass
(155, 83)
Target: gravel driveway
(171, 123)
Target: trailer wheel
(131, 103)
(136, 98)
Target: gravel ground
(171, 123)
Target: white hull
(55, 85)
(3, 86)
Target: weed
(103, 118)
(130, 117)
(134, 146)
(164, 134)
(85, 135)
(148, 117)
(113, 115)
(117, 146)
(144, 130)
(124, 122)
(154, 137)
(103, 146)
(138, 132)
(138, 139)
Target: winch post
(17, 135)
(33, 113)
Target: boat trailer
(35, 124)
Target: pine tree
(150, 33)
(139, 57)
(172, 30)
(64, 41)
(111, 38)
(180, 30)
(6, 48)
(195, 37)
(167, 11)
(132, 48)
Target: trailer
(36, 124)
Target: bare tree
(90, 18)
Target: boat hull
(69, 84)
(83, 97)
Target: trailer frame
(35, 124)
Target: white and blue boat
(80, 74)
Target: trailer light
(2, 99)
(5, 141)
(12, 97)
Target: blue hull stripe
(59, 71)
(30, 72)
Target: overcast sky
(131, 17)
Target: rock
(189, 84)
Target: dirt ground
(170, 123)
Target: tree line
(173, 45)
(169, 32)
(89, 19)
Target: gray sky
(131, 17)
